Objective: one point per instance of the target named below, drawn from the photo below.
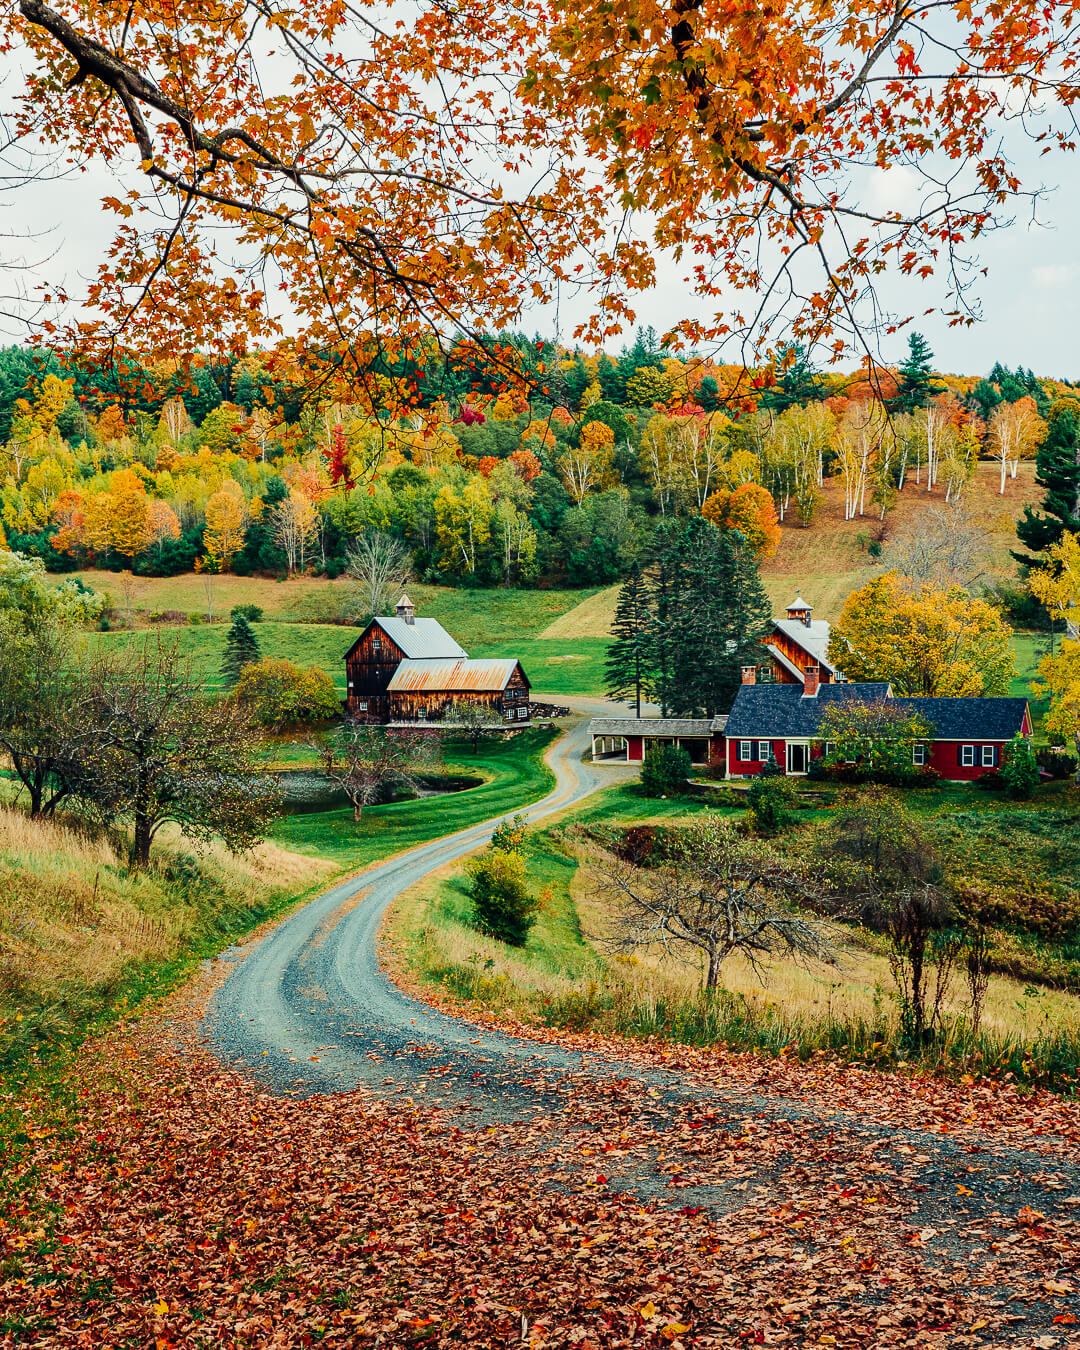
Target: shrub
(771, 801)
(278, 694)
(665, 771)
(990, 782)
(1056, 763)
(509, 835)
(500, 895)
(194, 619)
(1019, 771)
(168, 616)
(253, 613)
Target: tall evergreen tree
(241, 649)
(724, 614)
(665, 585)
(916, 385)
(627, 665)
(1057, 471)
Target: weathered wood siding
(797, 656)
(369, 668)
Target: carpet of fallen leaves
(186, 1207)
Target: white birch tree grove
(1015, 432)
(858, 441)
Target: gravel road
(308, 1010)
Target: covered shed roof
(449, 676)
(653, 726)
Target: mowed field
(560, 636)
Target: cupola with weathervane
(406, 610)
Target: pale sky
(1029, 299)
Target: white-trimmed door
(798, 756)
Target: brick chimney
(811, 680)
(749, 674)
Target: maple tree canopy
(354, 175)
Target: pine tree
(724, 614)
(241, 649)
(1057, 470)
(627, 664)
(916, 386)
(709, 614)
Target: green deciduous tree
(499, 888)
(161, 753)
(276, 693)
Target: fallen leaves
(185, 1207)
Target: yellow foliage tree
(589, 465)
(1060, 676)
(226, 521)
(130, 514)
(934, 642)
(463, 524)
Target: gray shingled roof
(652, 726)
(423, 639)
(970, 719)
(812, 637)
(784, 710)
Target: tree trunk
(712, 974)
(140, 844)
(357, 807)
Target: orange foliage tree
(349, 164)
(751, 510)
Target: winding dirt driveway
(307, 1009)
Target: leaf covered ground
(766, 1203)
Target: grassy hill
(80, 935)
(561, 635)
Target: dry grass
(71, 913)
(826, 562)
(592, 618)
(858, 988)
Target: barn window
(361, 705)
(989, 756)
(376, 645)
(967, 756)
(764, 749)
(523, 712)
(746, 751)
(918, 755)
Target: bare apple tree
(716, 894)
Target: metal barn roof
(812, 637)
(423, 639)
(452, 676)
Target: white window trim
(990, 750)
(764, 750)
(361, 705)
(967, 757)
(919, 756)
(746, 752)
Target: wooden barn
(405, 669)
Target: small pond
(306, 790)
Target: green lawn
(516, 776)
(555, 665)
